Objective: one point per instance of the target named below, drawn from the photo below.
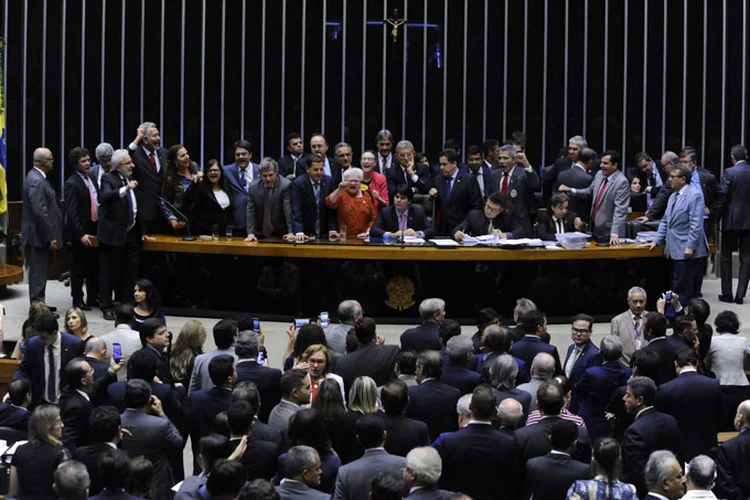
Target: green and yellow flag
(3, 184)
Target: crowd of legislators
(499, 414)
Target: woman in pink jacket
(375, 182)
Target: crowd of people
(499, 414)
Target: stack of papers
(444, 243)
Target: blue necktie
(243, 179)
(448, 184)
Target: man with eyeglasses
(495, 218)
(582, 354)
(682, 230)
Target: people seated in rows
(557, 219)
(498, 218)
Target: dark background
(204, 139)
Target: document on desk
(413, 240)
(444, 243)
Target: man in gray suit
(629, 326)
(295, 390)
(41, 223)
(303, 471)
(269, 204)
(152, 434)
(354, 478)
(610, 194)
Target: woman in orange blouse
(354, 207)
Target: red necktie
(94, 215)
(599, 199)
(152, 157)
(504, 188)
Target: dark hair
(149, 328)
(227, 478)
(224, 333)
(700, 309)
(153, 301)
(739, 152)
(614, 156)
(489, 144)
(76, 154)
(563, 434)
(450, 154)
(352, 342)
(240, 416)
(686, 357)
(329, 402)
(497, 339)
(394, 396)
(387, 486)
(248, 392)
(220, 424)
(607, 456)
(308, 427)
(142, 365)
(656, 324)
(370, 429)
(643, 387)
(74, 372)
(486, 316)
(690, 152)
(647, 363)
(220, 368)
(531, 320)
(365, 330)
(105, 423)
(124, 314)
(473, 150)
(242, 143)
(45, 323)
(290, 137)
(291, 380)
(309, 334)
(313, 158)
(141, 477)
(407, 362)
(244, 322)
(498, 199)
(212, 448)
(518, 137)
(18, 389)
(557, 199)
(727, 322)
(586, 155)
(206, 184)
(550, 398)
(451, 143)
(584, 317)
(258, 489)
(137, 393)
(447, 330)
(114, 469)
(642, 156)
(405, 191)
(483, 402)
(682, 323)
(432, 364)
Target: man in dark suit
(404, 434)
(106, 433)
(75, 404)
(119, 233)
(405, 171)
(269, 204)
(533, 325)
(402, 218)
(422, 473)
(289, 166)
(655, 331)
(703, 180)
(371, 359)
(248, 392)
(41, 223)
(302, 475)
(497, 218)
(734, 211)
(425, 336)
(497, 341)
(664, 478)
(260, 457)
(155, 340)
(685, 334)
(15, 412)
(491, 150)
(103, 153)
(575, 145)
(81, 216)
(206, 404)
(456, 372)
(733, 459)
(651, 431)
(113, 469)
(582, 354)
(579, 176)
(477, 450)
(548, 477)
(46, 355)
(695, 401)
(239, 176)
(433, 401)
(331, 167)
(516, 181)
(557, 219)
(456, 192)
(152, 434)
(265, 379)
(149, 169)
(384, 144)
(478, 169)
(651, 176)
(311, 217)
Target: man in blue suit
(206, 404)
(456, 371)
(478, 169)
(239, 176)
(457, 193)
(310, 215)
(402, 218)
(433, 401)
(15, 412)
(265, 379)
(46, 356)
(682, 230)
(734, 210)
(425, 336)
(532, 323)
(582, 354)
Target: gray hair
(524, 305)
(40, 154)
(658, 467)
(95, 344)
(702, 472)
(578, 139)
(269, 163)
(246, 345)
(71, 480)
(348, 310)
(147, 126)
(543, 366)
(404, 145)
(458, 347)
(426, 464)
(463, 405)
(430, 307)
(353, 172)
(342, 144)
(299, 459)
(671, 157)
(118, 156)
(385, 134)
(104, 150)
(637, 289)
(503, 372)
(611, 347)
(510, 150)
(510, 412)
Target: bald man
(733, 459)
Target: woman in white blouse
(728, 352)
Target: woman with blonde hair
(34, 463)
(363, 400)
(317, 361)
(76, 324)
(188, 345)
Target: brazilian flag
(3, 157)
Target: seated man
(15, 411)
(496, 218)
(557, 219)
(402, 218)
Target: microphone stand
(185, 219)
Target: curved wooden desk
(10, 275)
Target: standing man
(516, 181)
(331, 167)
(491, 149)
(81, 216)
(269, 204)
(310, 215)
(734, 210)
(288, 163)
(582, 354)
(610, 193)
(384, 144)
(103, 153)
(149, 169)
(629, 326)
(240, 175)
(682, 229)
(575, 145)
(457, 193)
(478, 169)
(649, 173)
(41, 223)
(579, 176)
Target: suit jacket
(149, 181)
(622, 325)
(659, 204)
(651, 431)
(696, 402)
(429, 493)
(201, 206)
(205, 405)
(594, 390)
(732, 206)
(41, 220)
(666, 351)
(531, 345)
(295, 490)
(578, 178)
(486, 173)
(521, 187)
(461, 377)
(287, 166)
(534, 439)
(550, 174)
(156, 439)
(421, 338)
(108, 494)
(267, 381)
(259, 459)
(476, 224)
(479, 451)
(434, 403)
(394, 176)
(464, 197)
(169, 397)
(682, 225)
(550, 476)
(75, 412)
(373, 360)
(387, 222)
(614, 203)
(519, 395)
(200, 378)
(281, 207)
(711, 190)
(280, 415)
(546, 229)
(78, 206)
(32, 365)
(89, 456)
(237, 193)
(732, 464)
(354, 478)
(588, 358)
(404, 434)
(14, 416)
(304, 209)
(115, 213)
(336, 169)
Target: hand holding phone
(256, 325)
(300, 322)
(324, 321)
(668, 296)
(117, 352)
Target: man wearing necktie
(649, 172)
(269, 205)
(310, 215)
(402, 218)
(582, 354)
(288, 163)
(150, 161)
(557, 219)
(629, 325)
(456, 193)
(384, 145)
(240, 175)
(478, 170)
(495, 218)
(82, 214)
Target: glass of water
(215, 232)
(342, 232)
(229, 232)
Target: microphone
(185, 219)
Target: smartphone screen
(261, 357)
(256, 325)
(117, 352)
(324, 319)
(300, 322)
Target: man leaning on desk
(497, 218)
